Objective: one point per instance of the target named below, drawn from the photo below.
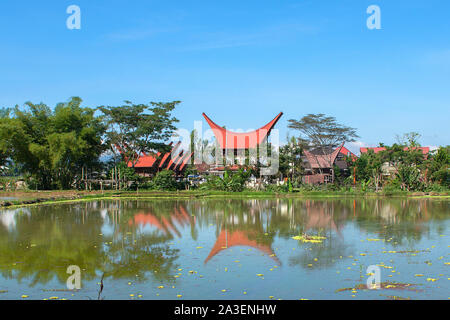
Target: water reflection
(135, 239)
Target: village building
(320, 163)
(235, 146)
(147, 164)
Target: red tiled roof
(347, 152)
(185, 161)
(163, 160)
(149, 161)
(241, 140)
(145, 161)
(175, 160)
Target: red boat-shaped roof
(241, 140)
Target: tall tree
(439, 166)
(4, 119)
(410, 139)
(290, 164)
(53, 146)
(134, 129)
(323, 133)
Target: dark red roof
(322, 160)
(347, 152)
(241, 140)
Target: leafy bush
(230, 182)
(409, 177)
(163, 180)
(442, 176)
(277, 188)
(435, 187)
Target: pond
(228, 249)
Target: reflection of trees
(40, 242)
(44, 243)
(129, 259)
(400, 220)
(324, 217)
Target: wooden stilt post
(115, 176)
(120, 182)
(112, 179)
(85, 180)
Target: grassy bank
(32, 198)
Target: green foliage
(442, 177)
(135, 129)
(392, 189)
(126, 173)
(230, 182)
(163, 180)
(8, 183)
(290, 161)
(322, 131)
(53, 146)
(368, 169)
(409, 177)
(277, 188)
(439, 167)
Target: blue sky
(241, 62)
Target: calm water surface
(227, 249)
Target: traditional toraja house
(175, 160)
(237, 143)
(319, 163)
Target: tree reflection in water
(133, 239)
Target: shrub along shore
(32, 198)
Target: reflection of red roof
(322, 160)
(240, 140)
(162, 223)
(143, 219)
(425, 150)
(227, 239)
